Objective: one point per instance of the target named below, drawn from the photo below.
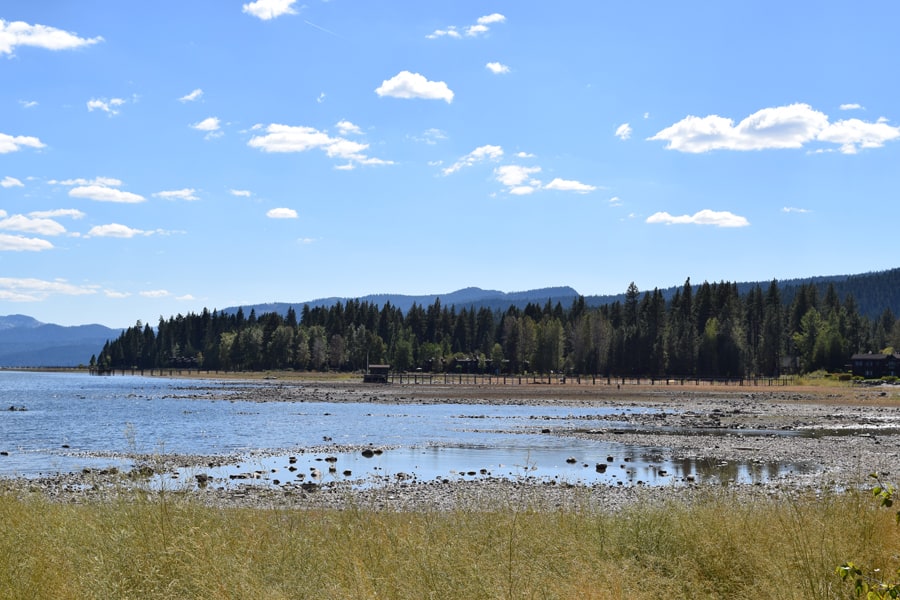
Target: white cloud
(185, 298)
(524, 155)
(19, 243)
(518, 179)
(704, 217)
(409, 85)
(110, 107)
(497, 68)
(790, 126)
(207, 124)
(33, 225)
(346, 127)
(155, 294)
(34, 290)
(791, 209)
(852, 106)
(321, 98)
(477, 155)
(195, 95)
(103, 193)
(568, 185)
(116, 230)
(853, 134)
(28, 103)
(615, 201)
(19, 33)
(287, 138)
(72, 213)
(116, 295)
(522, 190)
(282, 213)
(306, 241)
(623, 131)
(104, 181)
(188, 194)
(480, 27)
(113, 230)
(270, 9)
(241, 193)
(490, 19)
(8, 182)
(9, 143)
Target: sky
(158, 158)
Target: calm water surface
(74, 421)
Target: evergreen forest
(710, 330)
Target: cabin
(875, 366)
(377, 374)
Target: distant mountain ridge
(471, 296)
(26, 342)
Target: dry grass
(165, 546)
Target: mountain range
(26, 342)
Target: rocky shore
(843, 433)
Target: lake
(61, 422)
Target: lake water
(74, 421)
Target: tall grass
(168, 546)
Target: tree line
(705, 331)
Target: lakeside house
(875, 366)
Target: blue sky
(158, 158)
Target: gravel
(843, 433)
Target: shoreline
(846, 432)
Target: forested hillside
(711, 330)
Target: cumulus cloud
(704, 217)
(480, 27)
(116, 230)
(110, 107)
(8, 182)
(270, 9)
(346, 127)
(497, 68)
(853, 134)
(72, 213)
(792, 209)
(105, 181)
(791, 126)
(623, 131)
(282, 213)
(520, 181)
(517, 179)
(33, 225)
(241, 193)
(477, 155)
(569, 185)
(19, 33)
(195, 95)
(188, 194)
(409, 85)
(155, 293)
(211, 125)
(615, 201)
(287, 138)
(851, 106)
(105, 193)
(19, 243)
(9, 143)
(35, 290)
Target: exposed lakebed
(228, 434)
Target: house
(875, 366)
(377, 374)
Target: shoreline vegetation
(97, 536)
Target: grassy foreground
(167, 546)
